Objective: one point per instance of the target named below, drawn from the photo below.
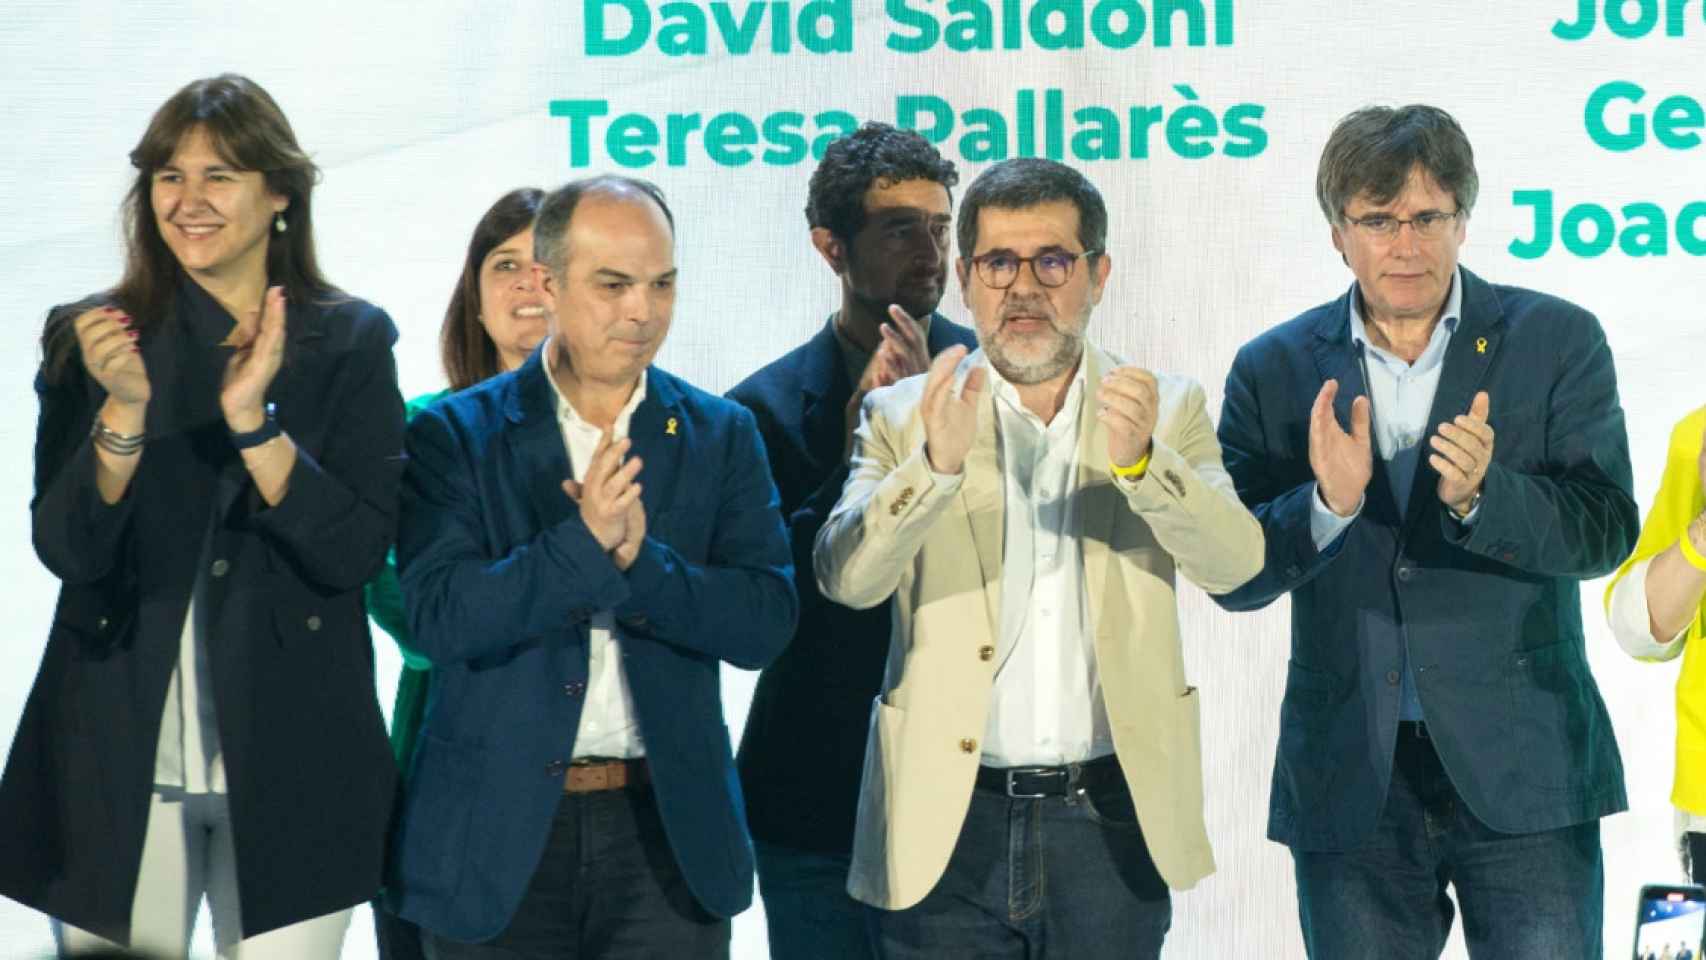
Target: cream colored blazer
(894, 533)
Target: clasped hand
(609, 500)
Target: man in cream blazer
(1033, 781)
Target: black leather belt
(1035, 783)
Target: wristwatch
(1474, 502)
(266, 431)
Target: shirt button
(968, 745)
(313, 623)
(986, 652)
(1406, 573)
(101, 624)
(1392, 677)
(574, 689)
(555, 768)
(220, 567)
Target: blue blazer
(803, 748)
(500, 577)
(1490, 612)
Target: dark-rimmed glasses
(1000, 268)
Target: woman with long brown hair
(216, 471)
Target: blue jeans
(1053, 877)
(1534, 895)
(806, 907)
(607, 886)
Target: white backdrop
(422, 114)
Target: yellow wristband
(1695, 560)
(1133, 472)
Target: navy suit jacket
(804, 744)
(1490, 612)
(500, 577)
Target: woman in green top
(495, 320)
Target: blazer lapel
(1467, 359)
(660, 434)
(983, 497)
(1339, 358)
(823, 379)
(1095, 494)
(536, 442)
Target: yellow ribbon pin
(669, 426)
(1480, 344)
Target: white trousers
(188, 853)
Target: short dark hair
(1027, 182)
(467, 350)
(1373, 150)
(551, 225)
(874, 153)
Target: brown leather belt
(593, 776)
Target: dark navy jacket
(500, 577)
(804, 745)
(1490, 612)
(289, 656)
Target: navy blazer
(804, 744)
(1490, 612)
(500, 578)
(288, 650)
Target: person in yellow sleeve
(1655, 607)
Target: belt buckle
(1030, 771)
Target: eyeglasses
(999, 269)
(1426, 225)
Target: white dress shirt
(1632, 625)
(1401, 395)
(607, 725)
(187, 755)
(1046, 706)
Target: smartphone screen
(1670, 923)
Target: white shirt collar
(1008, 394)
(566, 411)
(1448, 318)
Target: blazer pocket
(1188, 766)
(442, 789)
(1553, 728)
(1308, 691)
(880, 807)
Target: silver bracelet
(113, 442)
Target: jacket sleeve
(738, 606)
(1189, 502)
(384, 594)
(885, 512)
(1267, 481)
(77, 535)
(339, 514)
(1574, 515)
(463, 602)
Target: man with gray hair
(1440, 727)
(1033, 777)
(583, 542)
